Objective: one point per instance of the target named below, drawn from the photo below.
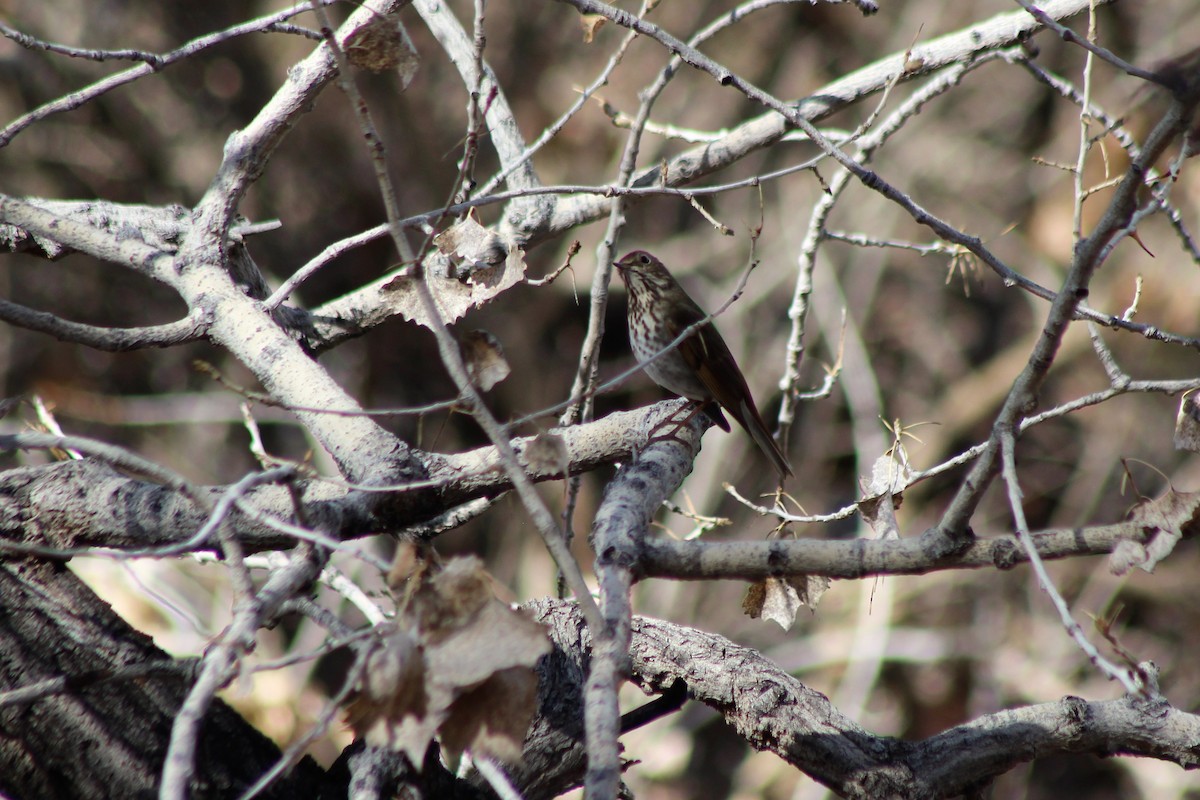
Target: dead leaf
(454, 298)
(753, 600)
(473, 685)
(484, 356)
(879, 513)
(383, 44)
(590, 24)
(411, 559)
(780, 599)
(781, 603)
(809, 588)
(391, 705)
(492, 719)
(1126, 555)
(547, 454)
(447, 601)
(470, 242)
(497, 638)
(880, 500)
(1163, 521)
(1187, 423)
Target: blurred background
(932, 342)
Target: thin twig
(1069, 35)
(452, 356)
(153, 64)
(1132, 683)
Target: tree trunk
(105, 738)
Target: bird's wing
(707, 353)
(701, 351)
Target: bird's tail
(752, 421)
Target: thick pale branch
(80, 504)
(622, 523)
(86, 503)
(501, 120)
(67, 224)
(775, 712)
(248, 150)
(362, 449)
(1002, 30)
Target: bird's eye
(644, 259)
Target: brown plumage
(701, 368)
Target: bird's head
(642, 269)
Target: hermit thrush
(701, 368)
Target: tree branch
(112, 340)
(774, 712)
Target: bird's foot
(675, 425)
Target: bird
(701, 368)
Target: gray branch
(775, 712)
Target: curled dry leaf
(391, 707)
(590, 24)
(471, 682)
(383, 44)
(547, 454)
(1160, 524)
(780, 599)
(880, 498)
(889, 475)
(772, 599)
(411, 558)
(1187, 423)
(809, 588)
(484, 357)
(469, 242)
(879, 512)
(449, 599)
(492, 719)
(453, 297)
